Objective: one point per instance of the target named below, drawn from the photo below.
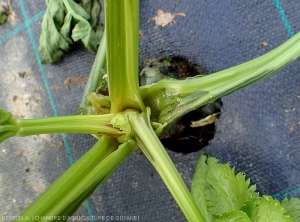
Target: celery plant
(129, 123)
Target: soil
(25, 74)
(185, 139)
(182, 137)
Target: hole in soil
(185, 139)
(182, 137)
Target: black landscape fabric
(258, 131)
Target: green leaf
(52, 44)
(90, 38)
(66, 28)
(4, 116)
(227, 191)
(251, 203)
(223, 196)
(90, 35)
(92, 7)
(216, 189)
(199, 185)
(293, 208)
(268, 210)
(233, 216)
(86, 4)
(3, 13)
(76, 9)
(94, 13)
(66, 22)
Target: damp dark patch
(182, 137)
(180, 68)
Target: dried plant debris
(164, 18)
(77, 80)
(205, 121)
(6, 12)
(265, 43)
(25, 74)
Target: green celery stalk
(159, 158)
(96, 177)
(88, 124)
(122, 28)
(55, 195)
(206, 89)
(97, 72)
(67, 193)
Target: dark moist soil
(181, 137)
